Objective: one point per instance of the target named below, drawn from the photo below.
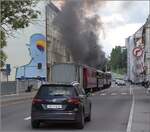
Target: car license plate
(54, 106)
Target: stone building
(56, 51)
(130, 59)
(139, 65)
(146, 35)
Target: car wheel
(80, 124)
(89, 116)
(35, 124)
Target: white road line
(113, 93)
(129, 126)
(9, 95)
(131, 91)
(124, 93)
(93, 94)
(27, 118)
(103, 94)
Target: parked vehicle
(60, 103)
(89, 78)
(120, 82)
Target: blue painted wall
(37, 49)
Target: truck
(69, 72)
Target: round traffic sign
(137, 52)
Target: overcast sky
(120, 20)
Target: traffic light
(39, 66)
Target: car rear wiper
(58, 95)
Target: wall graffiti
(36, 69)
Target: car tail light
(37, 101)
(75, 101)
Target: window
(48, 91)
(80, 91)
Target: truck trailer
(69, 72)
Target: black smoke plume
(80, 27)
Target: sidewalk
(141, 116)
(16, 97)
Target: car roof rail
(75, 83)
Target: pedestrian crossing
(111, 94)
(114, 94)
(114, 91)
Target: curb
(18, 98)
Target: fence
(8, 88)
(19, 86)
(22, 85)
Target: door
(84, 99)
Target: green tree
(108, 64)
(124, 60)
(15, 14)
(118, 59)
(3, 56)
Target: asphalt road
(110, 113)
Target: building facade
(56, 51)
(147, 47)
(130, 59)
(138, 54)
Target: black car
(60, 103)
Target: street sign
(137, 52)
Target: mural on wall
(36, 69)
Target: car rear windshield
(50, 91)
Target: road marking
(113, 93)
(27, 118)
(6, 104)
(129, 126)
(9, 95)
(93, 94)
(124, 93)
(131, 91)
(103, 94)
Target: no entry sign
(137, 52)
